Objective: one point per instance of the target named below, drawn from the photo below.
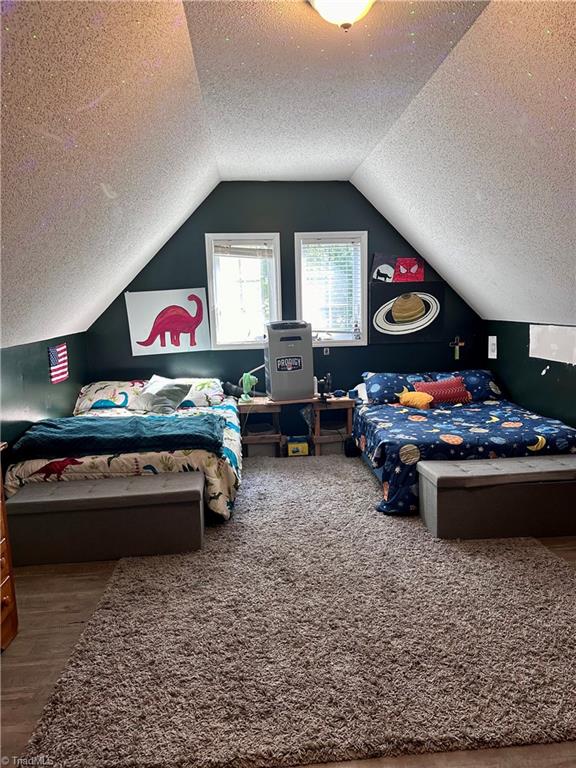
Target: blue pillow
(386, 387)
(481, 384)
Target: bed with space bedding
(394, 436)
(122, 429)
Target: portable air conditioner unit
(288, 361)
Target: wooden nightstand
(331, 404)
(8, 599)
(274, 407)
(262, 405)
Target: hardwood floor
(54, 604)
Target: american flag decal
(58, 357)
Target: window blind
(331, 287)
(259, 249)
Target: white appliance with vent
(288, 360)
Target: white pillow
(157, 382)
(362, 394)
(163, 399)
(202, 392)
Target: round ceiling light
(343, 13)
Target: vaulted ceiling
(105, 153)
(455, 119)
(289, 96)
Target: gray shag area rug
(311, 628)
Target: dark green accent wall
(26, 392)
(284, 207)
(552, 393)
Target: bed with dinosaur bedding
(138, 427)
(394, 436)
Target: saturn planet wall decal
(407, 313)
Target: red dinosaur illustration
(175, 320)
(56, 468)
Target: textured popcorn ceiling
(455, 119)
(479, 172)
(104, 154)
(289, 96)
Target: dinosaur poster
(163, 322)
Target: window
(331, 286)
(244, 288)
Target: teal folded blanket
(87, 436)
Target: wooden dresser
(8, 600)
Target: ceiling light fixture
(343, 13)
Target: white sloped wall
(105, 153)
(479, 172)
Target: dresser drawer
(7, 597)
(4, 560)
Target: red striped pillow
(445, 390)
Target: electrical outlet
(326, 350)
(492, 347)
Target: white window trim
(209, 240)
(363, 237)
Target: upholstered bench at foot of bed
(106, 519)
(499, 497)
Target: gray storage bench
(80, 520)
(499, 497)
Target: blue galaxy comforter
(394, 438)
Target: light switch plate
(492, 347)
